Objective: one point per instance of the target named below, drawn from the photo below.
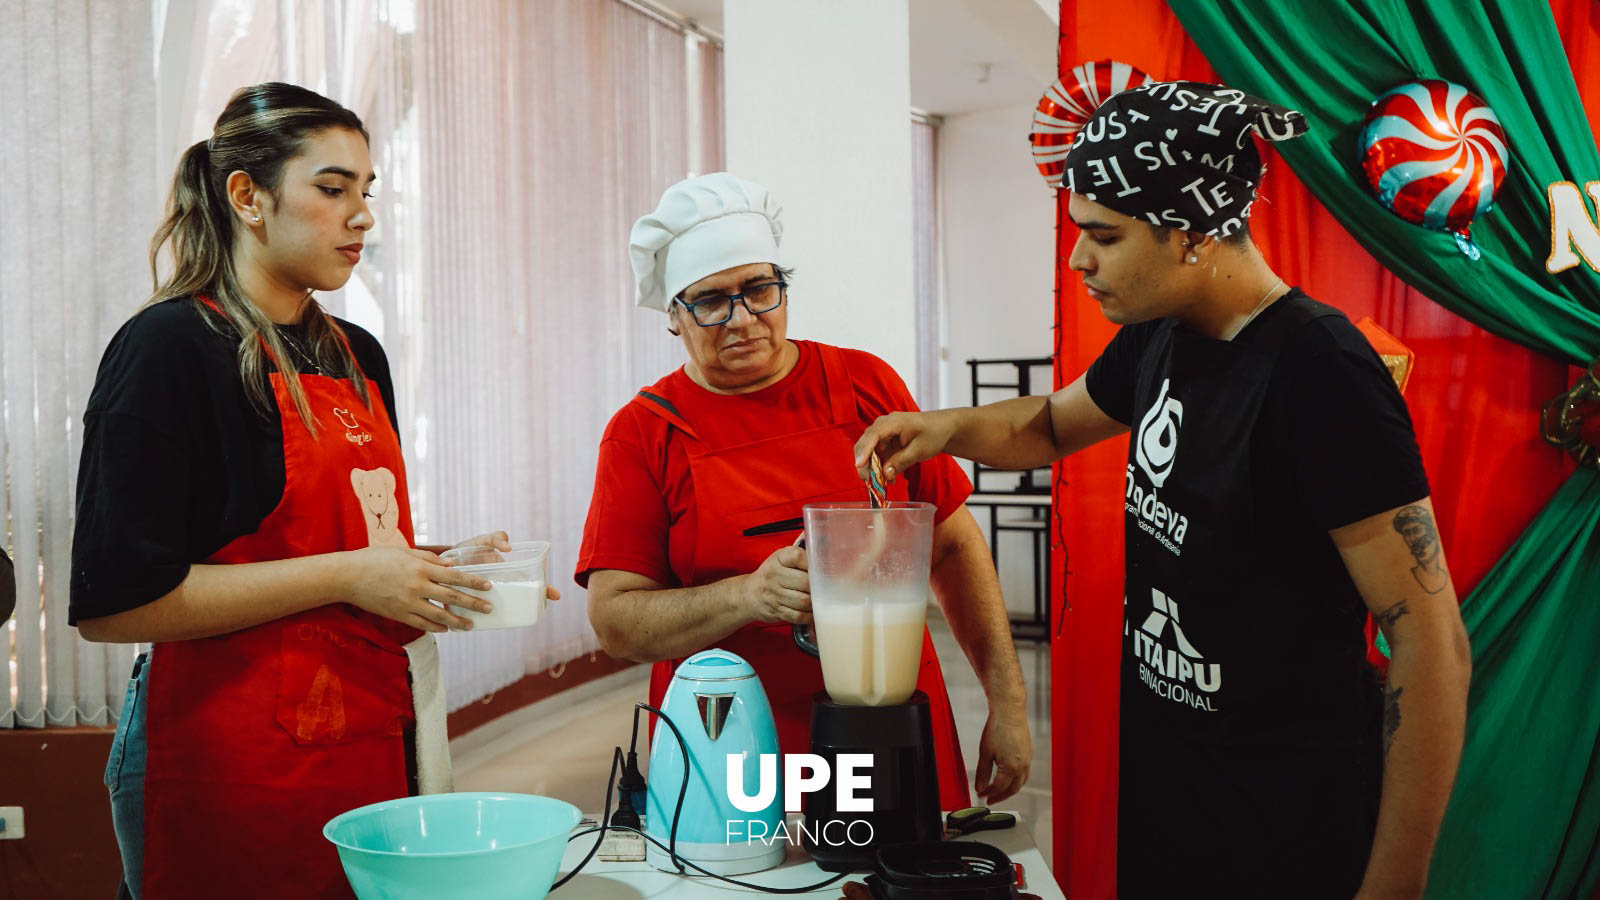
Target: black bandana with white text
(1177, 153)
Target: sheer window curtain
(546, 131)
(515, 145)
(78, 189)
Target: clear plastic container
(518, 575)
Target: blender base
(904, 791)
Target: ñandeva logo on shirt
(1169, 665)
(1155, 448)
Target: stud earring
(1193, 259)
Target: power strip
(621, 846)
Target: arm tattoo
(1415, 525)
(1391, 716)
(1388, 617)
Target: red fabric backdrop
(1474, 398)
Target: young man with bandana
(1275, 496)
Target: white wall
(999, 245)
(817, 95)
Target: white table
(641, 881)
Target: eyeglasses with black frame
(717, 309)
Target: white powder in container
(517, 604)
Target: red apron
(259, 737)
(743, 487)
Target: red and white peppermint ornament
(1068, 103)
(1434, 154)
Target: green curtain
(1524, 821)
(1331, 60)
(1524, 818)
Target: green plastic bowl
(485, 846)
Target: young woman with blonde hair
(242, 506)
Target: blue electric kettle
(720, 709)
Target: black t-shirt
(1285, 773)
(177, 461)
(1334, 441)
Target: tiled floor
(561, 747)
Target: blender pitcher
(869, 593)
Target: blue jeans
(125, 776)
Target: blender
(869, 565)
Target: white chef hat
(702, 226)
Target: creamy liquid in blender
(871, 646)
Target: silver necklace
(312, 367)
(293, 342)
(1260, 304)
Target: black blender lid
(943, 870)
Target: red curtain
(1579, 21)
(1475, 399)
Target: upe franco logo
(803, 773)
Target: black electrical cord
(605, 820)
(677, 812)
(744, 884)
(683, 790)
(633, 782)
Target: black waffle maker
(948, 870)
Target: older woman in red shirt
(702, 477)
